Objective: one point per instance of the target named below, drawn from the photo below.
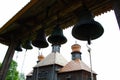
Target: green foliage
(21, 76)
(12, 73)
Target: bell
(57, 36)
(18, 47)
(87, 28)
(27, 45)
(40, 40)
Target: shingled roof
(75, 65)
(53, 58)
(30, 73)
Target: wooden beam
(7, 60)
(116, 7)
(18, 15)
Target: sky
(105, 50)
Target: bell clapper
(89, 40)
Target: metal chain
(89, 51)
(23, 62)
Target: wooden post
(7, 60)
(116, 7)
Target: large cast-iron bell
(27, 45)
(40, 40)
(18, 47)
(87, 28)
(57, 36)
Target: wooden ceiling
(47, 13)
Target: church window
(68, 77)
(42, 75)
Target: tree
(21, 76)
(12, 73)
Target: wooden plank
(29, 5)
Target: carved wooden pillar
(7, 60)
(116, 7)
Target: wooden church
(56, 67)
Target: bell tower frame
(11, 46)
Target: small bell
(57, 36)
(18, 47)
(40, 40)
(27, 45)
(87, 28)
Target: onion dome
(40, 57)
(76, 47)
(76, 54)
